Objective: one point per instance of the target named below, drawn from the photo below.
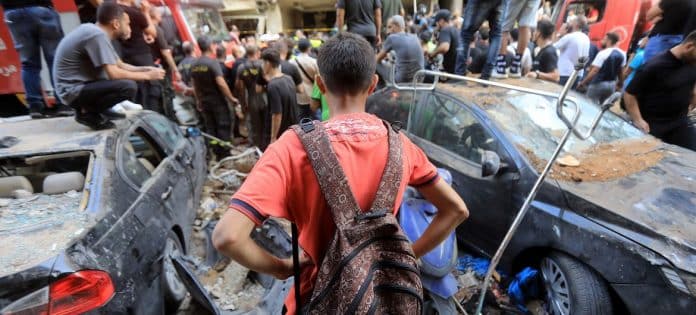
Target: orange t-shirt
(283, 183)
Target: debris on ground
(505, 295)
(605, 161)
(229, 283)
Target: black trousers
(98, 96)
(149, 92)
(217, 121)
(678, 132)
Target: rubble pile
(228, 283)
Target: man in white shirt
(308, 70)
(573, 44)
(605, 75)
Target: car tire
(573, 288)
(173, 289)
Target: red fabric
(283, 184)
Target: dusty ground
(227, 281)
(604, 162)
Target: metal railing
(570, 123)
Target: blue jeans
(475, 13)
(659, 43)
(34, 29)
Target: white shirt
(604, 54)
(572, 46)
(309, 65)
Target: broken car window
(452, 126)
(140, 156)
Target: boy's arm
(231, 237)
(451, 211)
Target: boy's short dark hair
(109, 11)
(187, 47)
(545, 28)
(613, 38)
(346, 64)
(272, 56)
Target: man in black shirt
(162, 54)
(658, 98)
(280, 91)
(87, 10)
(211, 92)
(447, 41)
(545, 62)
(669, 30)
(253, 104)
(364, 17)
(136, 51)
(186, 63)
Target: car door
(454, 137)
(136, 240)
(182, 176)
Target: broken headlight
(682, 281)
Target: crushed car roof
(49, 135)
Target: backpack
(369, 266)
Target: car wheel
(572, 288)
(173, 288)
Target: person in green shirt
(317, 100)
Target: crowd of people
(502, 39)
(255, 87)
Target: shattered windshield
(531, 122)
(205, 21)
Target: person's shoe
(113, 115)
(94, 121)
(37, 114)
(500, 71)
(516, 67)
(58, 110)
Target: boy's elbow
(462, 213)
(224, 240)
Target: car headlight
(683, 281)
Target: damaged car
(613, 228)
(90, 220)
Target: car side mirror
(490, 163)
(191, 132)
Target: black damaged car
(613, 228)
(89, 220)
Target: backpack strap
(332, 180)
(391, 177)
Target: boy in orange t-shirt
(283, 184)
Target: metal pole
(519, 218)
(537, 185)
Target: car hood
(37, 228)
(655, 207)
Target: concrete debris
(21, 194)
(229, 283)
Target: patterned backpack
(369, 267)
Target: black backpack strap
(332, 180)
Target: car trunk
(655, 207)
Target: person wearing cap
(308, 71)
(447, 40)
